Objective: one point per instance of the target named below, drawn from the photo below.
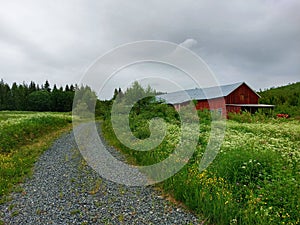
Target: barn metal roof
(199, 94)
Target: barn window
(242, 97)
(219, 111)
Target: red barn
(226, 98)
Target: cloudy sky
(255, 41)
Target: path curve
(65, 190)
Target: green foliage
(84, 103)
(246, 167)
(30, 97)
(62, 101)
(39, 101)
(247, 117)
(102, 109)
(16, 132)
(139, 118)
(286, 99)
(86, 95)
(82, 110)
(23, 137)
(137, 93)
(144, 109)
(254, 179)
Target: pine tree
(47, 86)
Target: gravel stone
(65, 190)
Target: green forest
(35, 97)
(44, 98)
(286, 99)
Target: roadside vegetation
(254, 179)
(23, 137)
(286, 99)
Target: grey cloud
(239, 40)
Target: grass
(18, 129)
(96, 187)
(255, 178)
(24, 137)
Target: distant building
(226, 98)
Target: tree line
(33, 97)
(286, 98)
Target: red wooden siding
(234, 109)
(242, 95)
(212, 104)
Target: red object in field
(282, 115)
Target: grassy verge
(23, 140)
(254, 179)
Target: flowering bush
(254, 179)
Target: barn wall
(212, 104)
(234, 109)
(178, 106)
(242, 95)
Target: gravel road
(65, 190)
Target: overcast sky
(255, 41)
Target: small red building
(226, 98)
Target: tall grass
(19, 129)
(23, 137)
(254, 179)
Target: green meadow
(254, 179)
(23, 137)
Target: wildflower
(233, 221)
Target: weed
(98, 204)
(96, 187)
(121, 190)
(253, 180)
(121, 218)
(10, 207)
(38, 212)
(75, 211)
(22, 140)
(15, 213)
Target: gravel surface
(65, 190)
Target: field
(253, 180)
(23, 137)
